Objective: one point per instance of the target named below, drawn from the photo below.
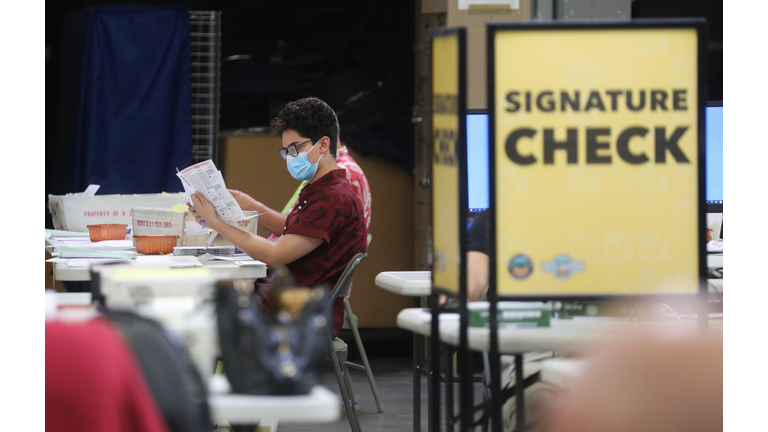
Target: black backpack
(176, 385)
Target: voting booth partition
(449, 212)
(596, 146)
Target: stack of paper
(202, 250)
(70, 252)
(715, 246)
(75, 250)
(50, 233)
(167, 261)
(88, 263)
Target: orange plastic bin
(107, 232)
(155, 244)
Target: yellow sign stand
(449, 183)
(597, 158)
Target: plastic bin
(155, 244)
(107, 232)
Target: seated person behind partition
(326, 229)
(273, 221)
(477, 259)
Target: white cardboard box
(75, 213)
(155, 221)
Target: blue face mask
(299, 166)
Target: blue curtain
(134, 122)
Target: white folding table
(223, 269)
(319, 406)
(416, 284)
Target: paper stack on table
(88, 263)
(75, 250)
(171, 261)
(715, 246)
(70, 252)
(202, 250)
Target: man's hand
(202, 209)
(245, 201)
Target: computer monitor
(477, 160)
(714, 149)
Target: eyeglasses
(292, 149)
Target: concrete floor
(394, 378)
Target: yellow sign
(445, 166)
(596, 156)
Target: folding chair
(339, 351)
(350, 323)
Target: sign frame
(460, 152)
(697, 24)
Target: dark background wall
(712, 10)
(356, 55)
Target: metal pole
(434, 365)
(448, 388)
(519, 393)
(416, 376)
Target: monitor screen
(714, 138)
(477, 161)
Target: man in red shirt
(273, 220)
(326, 228)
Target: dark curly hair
(311, 118)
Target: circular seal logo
(562, 266)
(520, 267)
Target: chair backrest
(342, 286)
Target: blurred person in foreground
(93, 382)
(645, 383)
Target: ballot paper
(206, 179)
(249, 263)
(88, 263)
(49, 233)
(715, 246)
(211, 257)
(85, 244)
(70, 252)
(167, 261)
(200, 250)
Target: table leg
(417, 349)
(448, 365)
(519, 393)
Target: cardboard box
(250, 225)
(75, 213)
(434, 6)
(154, 221)
(474, 19)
